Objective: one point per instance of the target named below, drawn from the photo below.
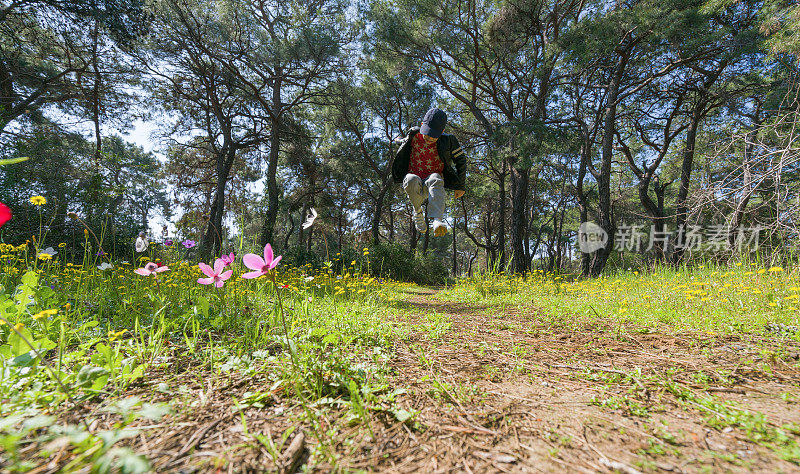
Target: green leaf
(106, 353)
(30, 279)
(154, 411)
(133, 463)
(44, 344)
(88, 325)
(13, 161)
(402, 415)
(92, 377)
(202, 306)
(24, 360)
(17, 341)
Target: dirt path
(507, 392)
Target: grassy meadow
(100, 366)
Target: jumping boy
(424, 164)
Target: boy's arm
(400, 162)
(460, 160)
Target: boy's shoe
(439, 229)
(420, 222)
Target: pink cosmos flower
(262, 266)
(5, 214)
(228, 259)
(215, 275)
(151, 269)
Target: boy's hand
(459, 193)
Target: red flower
(5, 214)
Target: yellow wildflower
(45, 313)
(38, 200)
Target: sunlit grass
(717, 299)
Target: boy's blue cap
(433, 123)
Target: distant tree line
(663, 114)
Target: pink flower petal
(142, 271)
(219, 265)
(206, 269)
(253, 261)
(162, 269)
(219, 283)
(205, 281)
(226, 275)
(250, 275)
(150, 266)
(268, 254)
(275, 262)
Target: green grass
(76, 336)
(718, 300)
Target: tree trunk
(455, 253)
(682, 211)
(391, 225)
(301, 234)
(340, 228)
(211, 240)
(519, 199)
(272, 169)
(412, 234)
(501, 227)
(377, 210)
(427, 236)
(604, 176)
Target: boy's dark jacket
(446, 146)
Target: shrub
(395, 261)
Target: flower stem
(283, 320)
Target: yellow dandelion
(45, 313)
(775, 269)
(62, 245)
(45, 256)
(38, 200)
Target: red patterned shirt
(424, 158)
